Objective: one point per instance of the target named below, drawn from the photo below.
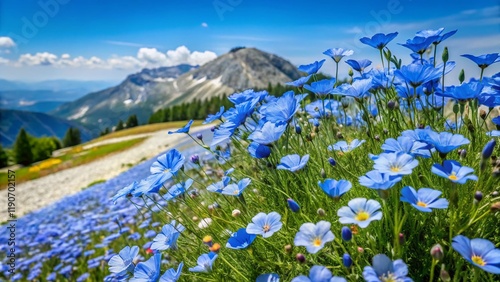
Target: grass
(75, 157)
(148, 128)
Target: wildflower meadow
(388, 175)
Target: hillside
(36, 124)
(147, 91)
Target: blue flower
(185, 129)
(283, 109)
(346, 233)
(178, 189)
(149, 270)
(314, 236)
(167, 239)
(240, 239)
(488, 149)
(479, 252)
(216, 116)
(259, 151)
(293, 163)
(205, 262)
(376, 180)
(218, 186)
(234, 189)
(312, 68)
(338, 53)
(359, 65)
(483, 61)
(322, 87)
(123, 262)
(360, 211)
(299, 82)
(417, 74)
(247, 96)
(293, 205)
(436, 33)
(383, 269)
(379, 40)
(347, 260)
(334, 188)
(344, 147)
(168, 164)
(319, 273)
(125, 191)
(445, 142)
(454, 171)
(268, 133)
(172, 275)
(395, 163)
(424, 200)
(322, 108)
(265, 224)
(358, 89)
(268, 277)
(406, 145)
(494, 133)
(463, 92)
(419, 44)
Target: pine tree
(4, 159)
(22, 149)
(76, 137)
(119, 126)
(132, 121)
(72, 137)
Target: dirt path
(38, 193)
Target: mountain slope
(147, 91)
(36, 124)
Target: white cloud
(6, 42)
(204, 24)
(146, 57)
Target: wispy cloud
(249, 38)
(204, 24)
(129, 44)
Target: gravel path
(38, 193)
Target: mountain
(149, 90)
(34, 100)
(77, 87)
(36, 124)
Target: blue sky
(106, 40)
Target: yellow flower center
(362, 216)
(389, 278)
(167, 170)
(266, 227)
(453, 176)
(478, 260)
(317, 242)
(236, 192)
(395, 169)
(421, 204)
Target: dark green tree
(72, 137)
(42, 148)
(119, 126)
(4, 159)
(132, 121)
(22, 149)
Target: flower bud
(195, 218)
(346, 233)
(332, 161)
(488, 149)
(288, 249)
(456, 108)
(437, 252)
(323, 173)
(463, 153)
(495, 207)
(445, 55)
(391, 105)
(321, 212)
(495, 194)
(300, 258)
(339, 135)
(461, 76)
(346, 260)
(298, 129)
(377, 137)
(482, 114)
(350, 72)
(293, 205)
(361, 250)
(385, 131)
(444, 275)
(236, 213)
(401, 238)
(215, 248)
(199, 136)
(195, 159)
(478, 196)
(212, 128)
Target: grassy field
(148, 128)
(74, 157)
